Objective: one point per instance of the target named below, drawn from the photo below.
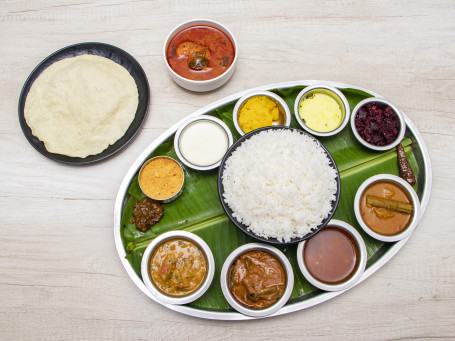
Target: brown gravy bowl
(257, 279)
(332, 255)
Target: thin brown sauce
(332, 255)
(178, 267)
(257, 279)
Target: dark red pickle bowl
(378, 124)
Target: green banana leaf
(198, 209)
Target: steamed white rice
(279, 183)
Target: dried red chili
(405, 168)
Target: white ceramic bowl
(397, 112)
(178, 134)
(360, 268)
(416, 213)
(207, 85)
(225, 285)
(336, 94)
(146, 260)
(275, 97)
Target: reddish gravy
(257, 279)
(332, 255)
(200, 53)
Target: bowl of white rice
(279, 185)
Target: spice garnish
(405, 168)
(225, 61)
(389, 204)
(199, 60)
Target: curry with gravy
(386, 207)
(178, 267)
(257, 279)
(200, 53)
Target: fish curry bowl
(200, 54)
(279, 185)
(275, 167)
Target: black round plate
(100, 49)
(243, 227)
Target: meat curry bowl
(200, 54)
(177, 267)
(257, 279)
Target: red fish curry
(200, 53)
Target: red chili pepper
(405, 168)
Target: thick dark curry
(257, 279)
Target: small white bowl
(207, 146)
(210, 84)
(146, 260)
(416, 213)
(360, 268)
(397, 112)
(275, 97)
(337, 95)
(225, 285)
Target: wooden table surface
(60, 275)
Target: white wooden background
(60, 276)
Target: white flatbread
(79, 106)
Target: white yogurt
(203, 143)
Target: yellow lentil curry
(178, 267)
